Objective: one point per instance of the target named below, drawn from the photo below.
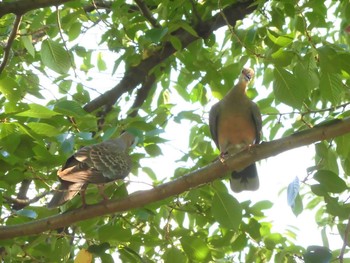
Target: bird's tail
(66, 192)
(245, 180)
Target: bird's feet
(223, 156)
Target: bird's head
(131, 136)
(247, 75)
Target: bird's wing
(213, 122)
(256, 115)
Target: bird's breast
(236, 131)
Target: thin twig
(26, 201)
(12, 37)
(345, 242)
(305, 28)
(99, 13)
(147, 13)
(332, 108)
(230, 27)
(64, 42)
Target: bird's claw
(223, 157)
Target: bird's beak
(247, 76)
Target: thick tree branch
(194, 179)
(142, 94)
(21, 7)
(136, 75)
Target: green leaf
(282, 41)
(28, 44)
(287, 89)
(282, 58)
(196, 248)
(27, 213)
(293, 191)
(150, 173)
(226, 210)
(62, 249)
(155, 35)
(331, 87)
(38, 111)
(328, 59)
(240, 242)
(9, 88)
(176, 42)
(74, 31)
(189, 115)
(101, 65)
(114, 233)
(257, 208)
(187, 28)
(70, 108)
(7, 129)
(174, 255)
(55, 57)
(306, 73)
(153, 150)
(297, 207)
(330, 181)
(44, 129)
(273, 239)
(317, 254)
(106, 258)
(99, 249)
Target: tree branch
(142, 94)
(194, 179)
(12, 37)
(21, 7)
(136, 75)
(98, 5)
(146, 13)
(19, 203)
(22, 195)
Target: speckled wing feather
(97, 164)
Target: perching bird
(98, 164)
(235, 124)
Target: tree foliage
(160, 53)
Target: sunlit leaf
(43, 128)
(287, 89)
(27, 213)
(292, 191)
(101, 64)
(70, 108)
(226, 210)
(331, 87)
(38, 111)
(83, 256)
(28, 44)
(195, 248)
(330, 181)
(55, 57)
